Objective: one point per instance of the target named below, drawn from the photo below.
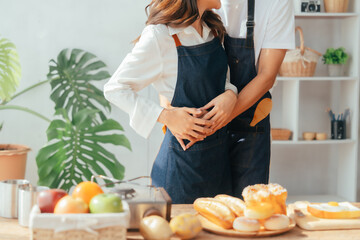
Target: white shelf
(328, 167)
(325, 78)
(326, 15)
(314, 142)
(315, 198)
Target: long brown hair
(181, 13)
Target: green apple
(106, 203)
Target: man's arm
(269, 63)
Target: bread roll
(215, 211)
(245, 224)
(259, 210)
(235, 204)
(273, 194)
(277, 222)
(280, 194)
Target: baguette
(215, 211)
(235, 204)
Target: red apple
(48, 199)
(69, 204)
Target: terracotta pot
(13, 161)
(336, 6)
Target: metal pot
(27, 199)
(9, 197)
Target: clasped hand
(196, 124)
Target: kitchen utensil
(211, 227)
(9, 197)
(331, 114)
(143, 199)
(26, 200)
(262, 110)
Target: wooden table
(10, 230)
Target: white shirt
(153, 60)
(274, 23)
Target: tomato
(86, 191)
(69, 204)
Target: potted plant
(335, 60)
(12, 156)
(78, 137)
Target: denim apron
(202, 170)
(249, 146)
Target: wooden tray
(308, 222)
(213, 228)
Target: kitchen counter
(9, 230)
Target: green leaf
(71, 77)
(10, 70)
(335, 56)
(76, 150)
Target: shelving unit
(319, 170)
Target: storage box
(90, 226)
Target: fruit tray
(99, 226)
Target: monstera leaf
(71, 82)
(10, 70)
(76, 150)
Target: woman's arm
(140, 68)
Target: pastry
(261, 210)
(273, 194)
(245, 224)
(277, 222)
(235, 204)
(215, 211)
(334, 210)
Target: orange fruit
(86, 191)
(69, 204)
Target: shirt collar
(190, 30)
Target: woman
(181, 55)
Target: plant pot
(13, 161)
(335, 70)
(336, 6)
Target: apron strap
(250, 24)
(176, 39)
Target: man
(258, 37)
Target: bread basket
(300, 62)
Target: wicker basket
(300, 62)
(280, 134)
(104, 226)
(336, 6)
(109, 233)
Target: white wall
(41, 29)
